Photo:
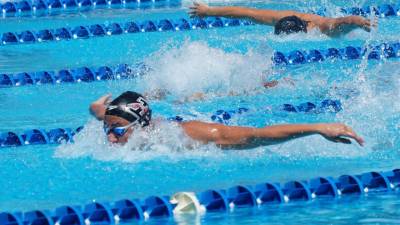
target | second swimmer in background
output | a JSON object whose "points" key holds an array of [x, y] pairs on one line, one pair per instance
{"points": [[286, 21]]}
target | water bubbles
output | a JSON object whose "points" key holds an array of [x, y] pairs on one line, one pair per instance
{"points": [[196, 67], [166, 141]]}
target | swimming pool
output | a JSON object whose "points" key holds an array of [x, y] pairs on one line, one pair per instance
{"points": [[216, 61]]}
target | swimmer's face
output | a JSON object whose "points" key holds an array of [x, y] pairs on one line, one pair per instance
{"points": [[115, 121]]}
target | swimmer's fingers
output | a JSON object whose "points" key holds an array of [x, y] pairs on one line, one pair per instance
{"points": [[348, 133], [193, 8], [193, 12], [367, 25], [374, 23], [105, 99], [370, 24], [340, 140], [198, 9], [341, 133], [351, 134], [289, 80], [108, 99]]}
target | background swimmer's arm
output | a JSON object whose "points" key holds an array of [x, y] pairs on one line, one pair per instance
{"points": [[248, 136], [274, 83], [264, 16], [270, 84], [98, 107], [343, 25], [156, 94]]}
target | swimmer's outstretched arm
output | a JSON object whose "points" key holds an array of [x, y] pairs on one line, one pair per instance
{"points": [[264, 16], [226, 136]]}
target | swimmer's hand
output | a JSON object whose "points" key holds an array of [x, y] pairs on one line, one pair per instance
{"points": [[363, 23], [198, 10], [337, 132], [343, 25], [98, 107]]}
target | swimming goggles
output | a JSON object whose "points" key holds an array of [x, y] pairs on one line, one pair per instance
{"points": [[118, 131]]}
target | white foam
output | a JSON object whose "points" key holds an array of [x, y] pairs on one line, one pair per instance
{"points": [[166, 142], [197, 67]]}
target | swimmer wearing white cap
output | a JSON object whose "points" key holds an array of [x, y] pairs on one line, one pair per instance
{"points": [[130, 111]]}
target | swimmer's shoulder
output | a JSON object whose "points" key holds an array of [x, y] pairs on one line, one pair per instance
{"points": [[194, 126], [315, 21], [179, 121], [199, 126]]}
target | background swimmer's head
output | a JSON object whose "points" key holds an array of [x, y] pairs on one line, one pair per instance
{"points": [[124, 112], [290, 24]]}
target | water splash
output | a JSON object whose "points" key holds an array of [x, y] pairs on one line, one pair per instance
{"points": [[196, 67], [166, 142], [369, 103]]}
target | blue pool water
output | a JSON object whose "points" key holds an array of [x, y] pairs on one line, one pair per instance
{"points": [[216, 62]]}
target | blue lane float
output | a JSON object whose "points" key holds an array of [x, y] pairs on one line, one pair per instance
{"points": [[37, 136], [155, 206], [124, 71], [375, 181], [128, 210], [264, 194], [394, 178], [38, 217], [299, 57], [27, 8], [268, 193], [241, 196], [384, 10], [102, 30], [325, 106], [98, 213], [77, 75], [323, 187], [296, 191], [213, 200], [59, 135], [348, 184], [66, 215]]}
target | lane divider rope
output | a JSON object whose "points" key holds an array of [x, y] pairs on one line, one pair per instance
{"points": [[371, 52], [54, 7], [124, 71], [153, 207], [77, 75], [60, 135], [102, 30]]}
